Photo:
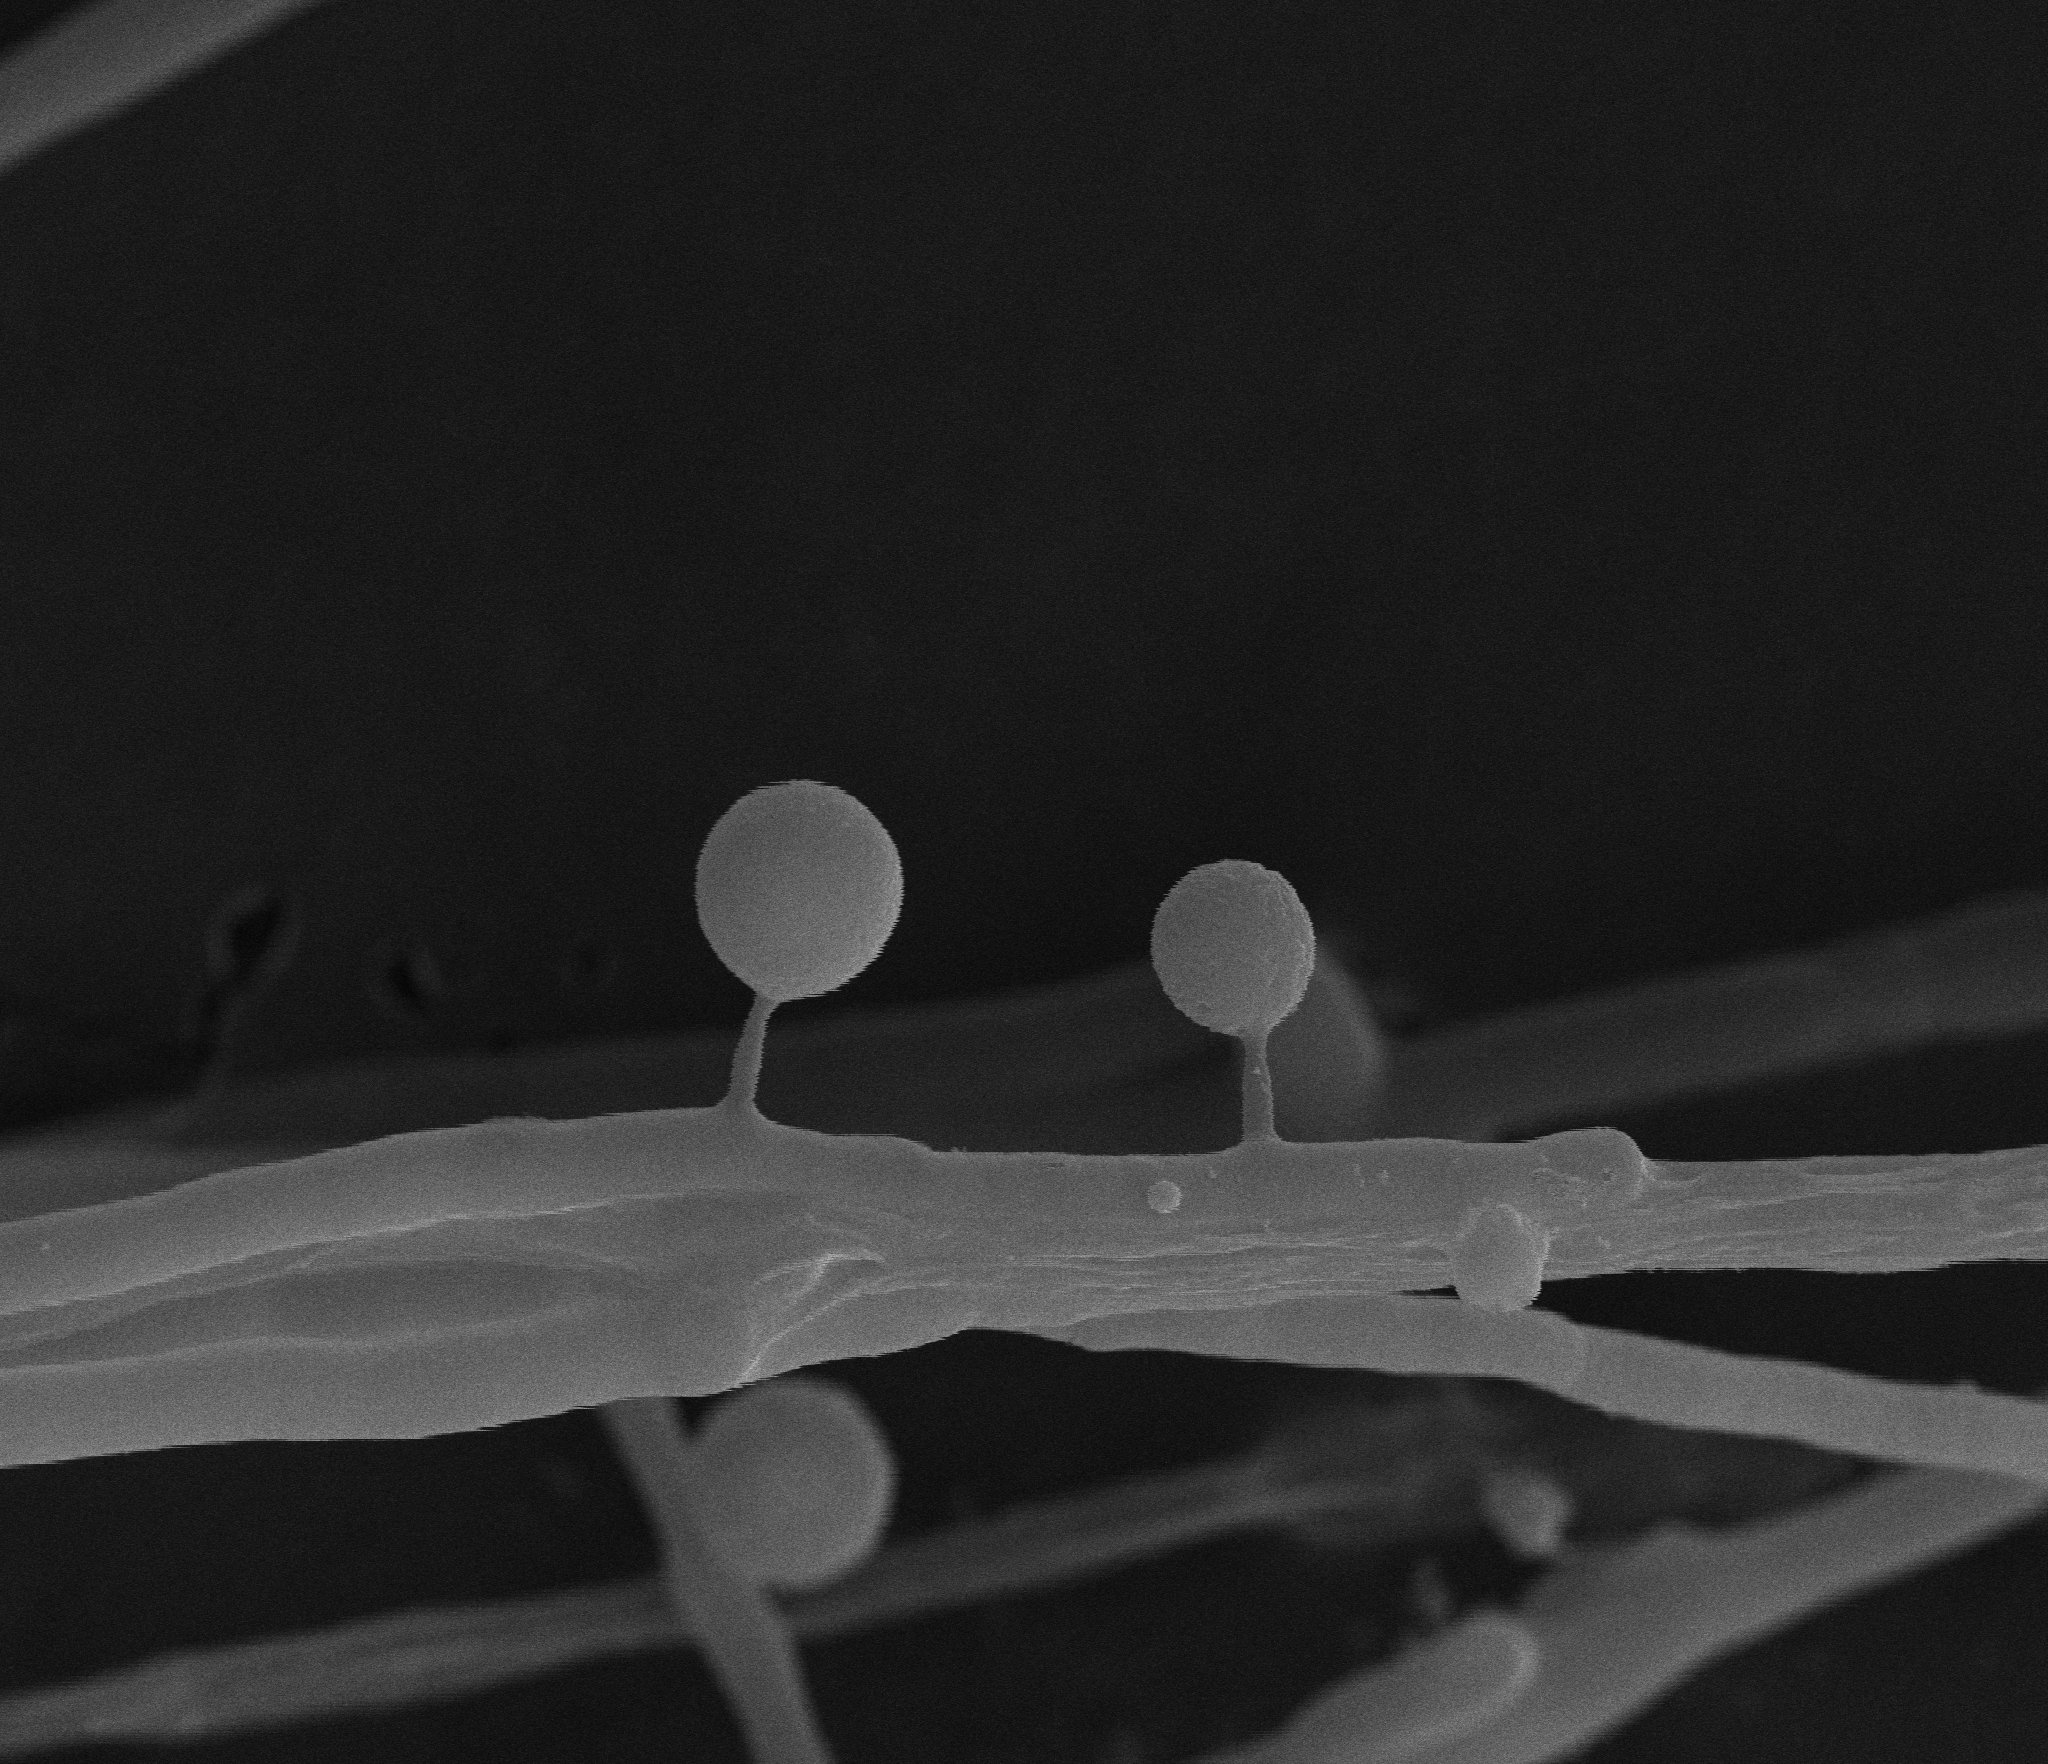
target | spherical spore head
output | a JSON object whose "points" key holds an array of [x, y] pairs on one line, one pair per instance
{"points": [[1233, 946], [1497, 1262], [798, 888], [796, 1481]]}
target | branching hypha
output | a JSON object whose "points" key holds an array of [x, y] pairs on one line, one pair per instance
{"points": [[462, 1276]]}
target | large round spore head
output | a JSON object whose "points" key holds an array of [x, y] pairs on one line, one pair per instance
{"points": [[798, 888], [1233, 946]]}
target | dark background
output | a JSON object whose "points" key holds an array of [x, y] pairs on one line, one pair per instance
{"points": [[1567, 490]]}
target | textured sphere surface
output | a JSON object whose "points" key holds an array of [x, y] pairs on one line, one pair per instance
{"points": [[797, 1481], [1233, 946], [798, 888]]}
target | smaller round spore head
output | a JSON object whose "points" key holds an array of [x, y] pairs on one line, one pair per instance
{"points": [[798, 888], [1233, 947], [1497, 1262]]}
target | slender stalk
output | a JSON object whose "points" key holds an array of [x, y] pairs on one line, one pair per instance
{"points": [[1258, 1089], [745, 1639], [741, 1092]]}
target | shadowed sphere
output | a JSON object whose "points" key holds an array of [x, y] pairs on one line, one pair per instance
{"points": [[1233, 946], [798, 888], [797, 1481]]}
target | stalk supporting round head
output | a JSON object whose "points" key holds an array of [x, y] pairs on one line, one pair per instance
{"points": [[798, 888], [1233, 947]]}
